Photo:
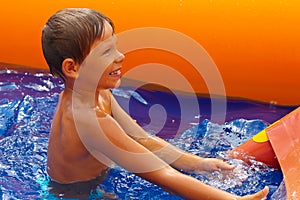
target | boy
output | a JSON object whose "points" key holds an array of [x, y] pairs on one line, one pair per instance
{"points": [[90, 130]]}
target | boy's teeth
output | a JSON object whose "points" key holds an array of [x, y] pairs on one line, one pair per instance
{"points": [[117, 72]]}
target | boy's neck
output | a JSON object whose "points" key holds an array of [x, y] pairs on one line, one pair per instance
{"points": [[84, 97]]}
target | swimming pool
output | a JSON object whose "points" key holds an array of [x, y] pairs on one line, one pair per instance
{"points": [[27, 105]]}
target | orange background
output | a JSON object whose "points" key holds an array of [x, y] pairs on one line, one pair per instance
{"points": [[255, 44]]}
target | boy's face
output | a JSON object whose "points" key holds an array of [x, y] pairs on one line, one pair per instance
{"points": [[104, 61]]}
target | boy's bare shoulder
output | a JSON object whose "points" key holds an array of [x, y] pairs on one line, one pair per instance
{"points": [[63, 117]]}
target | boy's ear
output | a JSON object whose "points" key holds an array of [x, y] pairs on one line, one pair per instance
{"points": [[70, 68]]}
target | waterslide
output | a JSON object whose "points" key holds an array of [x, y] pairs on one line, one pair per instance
{"points": [[254, 45], [278, 146]]}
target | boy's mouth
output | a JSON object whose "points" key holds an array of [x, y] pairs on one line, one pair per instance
{"points": [[115, 73]]}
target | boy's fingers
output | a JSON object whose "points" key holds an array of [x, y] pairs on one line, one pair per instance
{"points": [[260, 195], [263, 193], [225, 166]]}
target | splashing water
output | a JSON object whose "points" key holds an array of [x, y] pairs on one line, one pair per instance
{"points": [[212, 140], [27, 106]]}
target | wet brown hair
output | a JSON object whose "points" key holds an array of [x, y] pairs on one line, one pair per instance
{"points": [[70, 33]]}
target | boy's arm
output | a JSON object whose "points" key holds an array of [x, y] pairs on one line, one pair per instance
{"points": [[166, 151], [107, 137]]}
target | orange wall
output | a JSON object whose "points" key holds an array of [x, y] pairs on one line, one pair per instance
{"points": [[254, 43]]}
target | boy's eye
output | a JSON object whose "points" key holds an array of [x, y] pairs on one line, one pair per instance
{"points": [[106, 52]]}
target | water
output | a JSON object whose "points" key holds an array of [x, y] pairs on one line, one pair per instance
{"points": [[27, 106]]}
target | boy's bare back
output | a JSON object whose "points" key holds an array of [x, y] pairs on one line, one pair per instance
{"points": [[68, 158]]}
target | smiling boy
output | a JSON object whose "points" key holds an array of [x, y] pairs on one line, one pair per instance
{"points": [[90, 131]]}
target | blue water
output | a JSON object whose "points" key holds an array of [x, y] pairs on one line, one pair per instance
{"points": [[27, 105]]}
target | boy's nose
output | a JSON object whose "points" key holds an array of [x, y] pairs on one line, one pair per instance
{"points": [[120, 57]]}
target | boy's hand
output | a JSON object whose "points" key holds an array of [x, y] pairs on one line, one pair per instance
{"points": [[214, 164], [210, 164], [259, 195]]}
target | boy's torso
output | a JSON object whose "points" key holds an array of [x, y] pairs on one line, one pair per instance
{"points": [[68, 159]]}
